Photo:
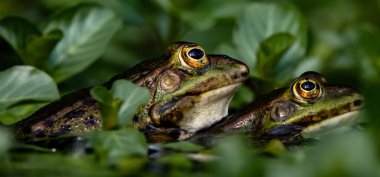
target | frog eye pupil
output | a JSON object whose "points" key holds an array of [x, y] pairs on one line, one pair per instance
{"points": [[308, 86], [196, 54]]}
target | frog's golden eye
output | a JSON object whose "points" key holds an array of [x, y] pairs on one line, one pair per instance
{"points": [[307, 89], [194, 57]]}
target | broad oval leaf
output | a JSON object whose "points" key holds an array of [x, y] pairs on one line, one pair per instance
{"points": [[87, 30], [132, 96], [26, 83], [260, 21]]}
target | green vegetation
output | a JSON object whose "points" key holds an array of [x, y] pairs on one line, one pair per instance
{"points": [[49, 48]]}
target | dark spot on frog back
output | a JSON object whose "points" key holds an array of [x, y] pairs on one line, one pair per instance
{"points": [[74, 114], [90, 120], [64, 129], [48, 122], [39, 133]]}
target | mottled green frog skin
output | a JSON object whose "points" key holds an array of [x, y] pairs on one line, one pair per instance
{"points": [[307, 105], [183, 82]]}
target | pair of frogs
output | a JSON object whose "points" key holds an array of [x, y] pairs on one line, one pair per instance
{"points": [[190, 94]]}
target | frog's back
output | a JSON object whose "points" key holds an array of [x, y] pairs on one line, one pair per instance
{"points": [[74, 113]]}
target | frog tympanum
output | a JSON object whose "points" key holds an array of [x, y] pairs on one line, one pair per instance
{"points": [[308, 105], [190, 90]]}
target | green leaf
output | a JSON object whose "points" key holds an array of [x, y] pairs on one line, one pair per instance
{"points": [[132, 95], [26, 39], [262, 20], [18, 32], [5, 140], [109, 107], [178, 161], [184, 146], [101, 94], [235, 158], [25, 83], [202, 15], [275, 147], [119, 105], [52, 164], [111, 146], [38, 49], [87, 30], [363, 42], [18, 112], [270, 51]]}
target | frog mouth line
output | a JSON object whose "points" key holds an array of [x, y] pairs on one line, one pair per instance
{"points": [[341, 121], [210, 107]]}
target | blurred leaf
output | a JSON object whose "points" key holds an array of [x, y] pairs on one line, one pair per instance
{"points": [[202, 15], [242, 97], [349, 155], [236, 159], [275, 147], [5, 140], [131, 165], [119, 105], [101, 94], [25, 83], [18, 32], [363, 42], [87, 30], [109, 107], [39, 48], [132, 96], [26, 39], [260, 21], [52, 164], [184, 146], [270, 51], [17, 112], [114, 145], [176, 161]]}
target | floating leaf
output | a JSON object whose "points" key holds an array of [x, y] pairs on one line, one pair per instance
{"points": [[262, 20], [87, 30], [25, 83]]}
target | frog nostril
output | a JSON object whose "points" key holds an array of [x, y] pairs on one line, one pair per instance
{"points": [[244, 73], [196, 53]]}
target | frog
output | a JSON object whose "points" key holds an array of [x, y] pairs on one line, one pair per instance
{"points": [[307, 108], [189, 90]]}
